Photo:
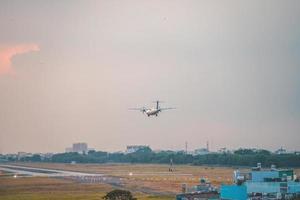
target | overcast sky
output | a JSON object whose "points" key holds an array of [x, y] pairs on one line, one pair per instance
{"points": [[69, 71]]}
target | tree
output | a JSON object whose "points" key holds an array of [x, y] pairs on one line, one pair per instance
{"points": [[119, 195], [144, 150], [245, 151], [36, 158]]}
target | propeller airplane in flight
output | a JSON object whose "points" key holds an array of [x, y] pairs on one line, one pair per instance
{"points": [[152, 111]]}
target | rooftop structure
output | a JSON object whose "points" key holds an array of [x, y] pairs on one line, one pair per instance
{"points": [[264, 175], [204, 190]]}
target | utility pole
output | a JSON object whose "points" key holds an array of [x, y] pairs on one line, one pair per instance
{"points": [[207, 145], [186, 148], [171, 165]]}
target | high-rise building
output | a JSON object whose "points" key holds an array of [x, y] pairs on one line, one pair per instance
{"points": [[81, 148]]}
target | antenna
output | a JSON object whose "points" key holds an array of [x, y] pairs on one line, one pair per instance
{"points": [[186, 147], [207, 145], [171, 165]]}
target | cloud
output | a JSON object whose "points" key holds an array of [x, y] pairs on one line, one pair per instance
{"points": [[8, 52]]}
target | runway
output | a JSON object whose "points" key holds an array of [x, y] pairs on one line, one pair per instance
{"points": [[33, 171]]}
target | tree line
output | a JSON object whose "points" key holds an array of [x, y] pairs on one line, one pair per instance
{"points": [[240, 157]]}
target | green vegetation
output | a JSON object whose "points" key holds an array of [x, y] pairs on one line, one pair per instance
{"points": [[119, 195], [241, 157], [283, 160]]}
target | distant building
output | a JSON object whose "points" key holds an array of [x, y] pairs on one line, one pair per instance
{"points": [[135, 148], [224, 150], [11, 156], [81, 148], [46, 156], [21, 155], [281, 151], [201, 151]]}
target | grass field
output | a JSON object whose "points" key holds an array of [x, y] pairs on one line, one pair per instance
{"points": [[48, 188], [43, 188], [151, 176], [148, 182]]}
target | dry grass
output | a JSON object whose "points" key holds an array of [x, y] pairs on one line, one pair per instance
{"points": [[47, 185], [171, 182], [48, 188], [153, 179], [150, 176], [43, 188]]}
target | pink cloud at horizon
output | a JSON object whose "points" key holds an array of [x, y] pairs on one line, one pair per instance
{"points": [[8, 52]]}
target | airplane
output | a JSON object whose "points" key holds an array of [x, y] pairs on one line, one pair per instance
{"points": [[152, 111]]}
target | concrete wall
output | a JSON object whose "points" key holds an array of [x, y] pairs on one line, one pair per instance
{"points": [[258, 176], [263, 187]]}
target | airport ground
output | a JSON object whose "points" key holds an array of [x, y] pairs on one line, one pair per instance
{"points": [[147, 182]]}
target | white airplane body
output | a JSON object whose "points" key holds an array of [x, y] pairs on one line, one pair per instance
{"points": [[152, 111]]}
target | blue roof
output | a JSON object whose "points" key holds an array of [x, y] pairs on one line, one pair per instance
{"points": [[234, 192]]}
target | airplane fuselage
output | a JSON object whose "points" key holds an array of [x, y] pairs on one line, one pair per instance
{"points": [[152, 111]]}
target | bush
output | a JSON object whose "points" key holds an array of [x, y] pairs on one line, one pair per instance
{"points": [[119, 195]]}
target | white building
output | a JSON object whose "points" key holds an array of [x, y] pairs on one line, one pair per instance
{"points": [[23, 155], [281, 151], [201, 151], [81, 148], [135, 148]]}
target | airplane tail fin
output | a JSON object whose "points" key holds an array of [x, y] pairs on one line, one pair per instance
{"points": [[157, 103]]}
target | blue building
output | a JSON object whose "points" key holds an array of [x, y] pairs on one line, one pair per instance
{"points": [[234, 192], [258, 183]]}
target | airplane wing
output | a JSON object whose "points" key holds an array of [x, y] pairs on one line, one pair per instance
{"points": [[142, 109], [167, 108]]}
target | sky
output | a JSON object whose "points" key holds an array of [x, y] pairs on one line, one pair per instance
{"points": [[69, 71]]}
